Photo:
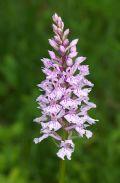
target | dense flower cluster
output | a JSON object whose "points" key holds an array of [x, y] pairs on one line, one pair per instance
{"points": [[65, 101]]}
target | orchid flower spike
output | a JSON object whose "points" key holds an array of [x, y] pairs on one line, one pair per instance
{"points": [[65, 99]]}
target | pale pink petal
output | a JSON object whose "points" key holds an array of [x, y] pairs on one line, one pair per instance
{"points": [[88, 134], [77, 63], [73, 54], [38, 140]]}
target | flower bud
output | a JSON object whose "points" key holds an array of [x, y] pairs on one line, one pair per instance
{"points": [[65, 34], [52, 54], [69, 62], [74, 42], [55, 17], [53, 44], [62, 49]]}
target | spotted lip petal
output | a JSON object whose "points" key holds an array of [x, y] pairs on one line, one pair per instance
{"points": [[67, 148]]}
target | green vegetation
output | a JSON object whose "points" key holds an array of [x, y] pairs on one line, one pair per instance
{"points": [[25, 26]]}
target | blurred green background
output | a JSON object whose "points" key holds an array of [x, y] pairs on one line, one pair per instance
{"points": [[25, 26]]}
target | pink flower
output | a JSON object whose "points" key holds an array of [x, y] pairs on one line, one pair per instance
{"points": [[66, 149], [64, 103], [51, 125]]}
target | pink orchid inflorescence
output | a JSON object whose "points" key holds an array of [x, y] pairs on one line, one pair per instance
{"points": [[65, 102]]}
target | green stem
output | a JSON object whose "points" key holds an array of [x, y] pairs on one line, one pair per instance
{"points": [[62, 171], [62, 164]]}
